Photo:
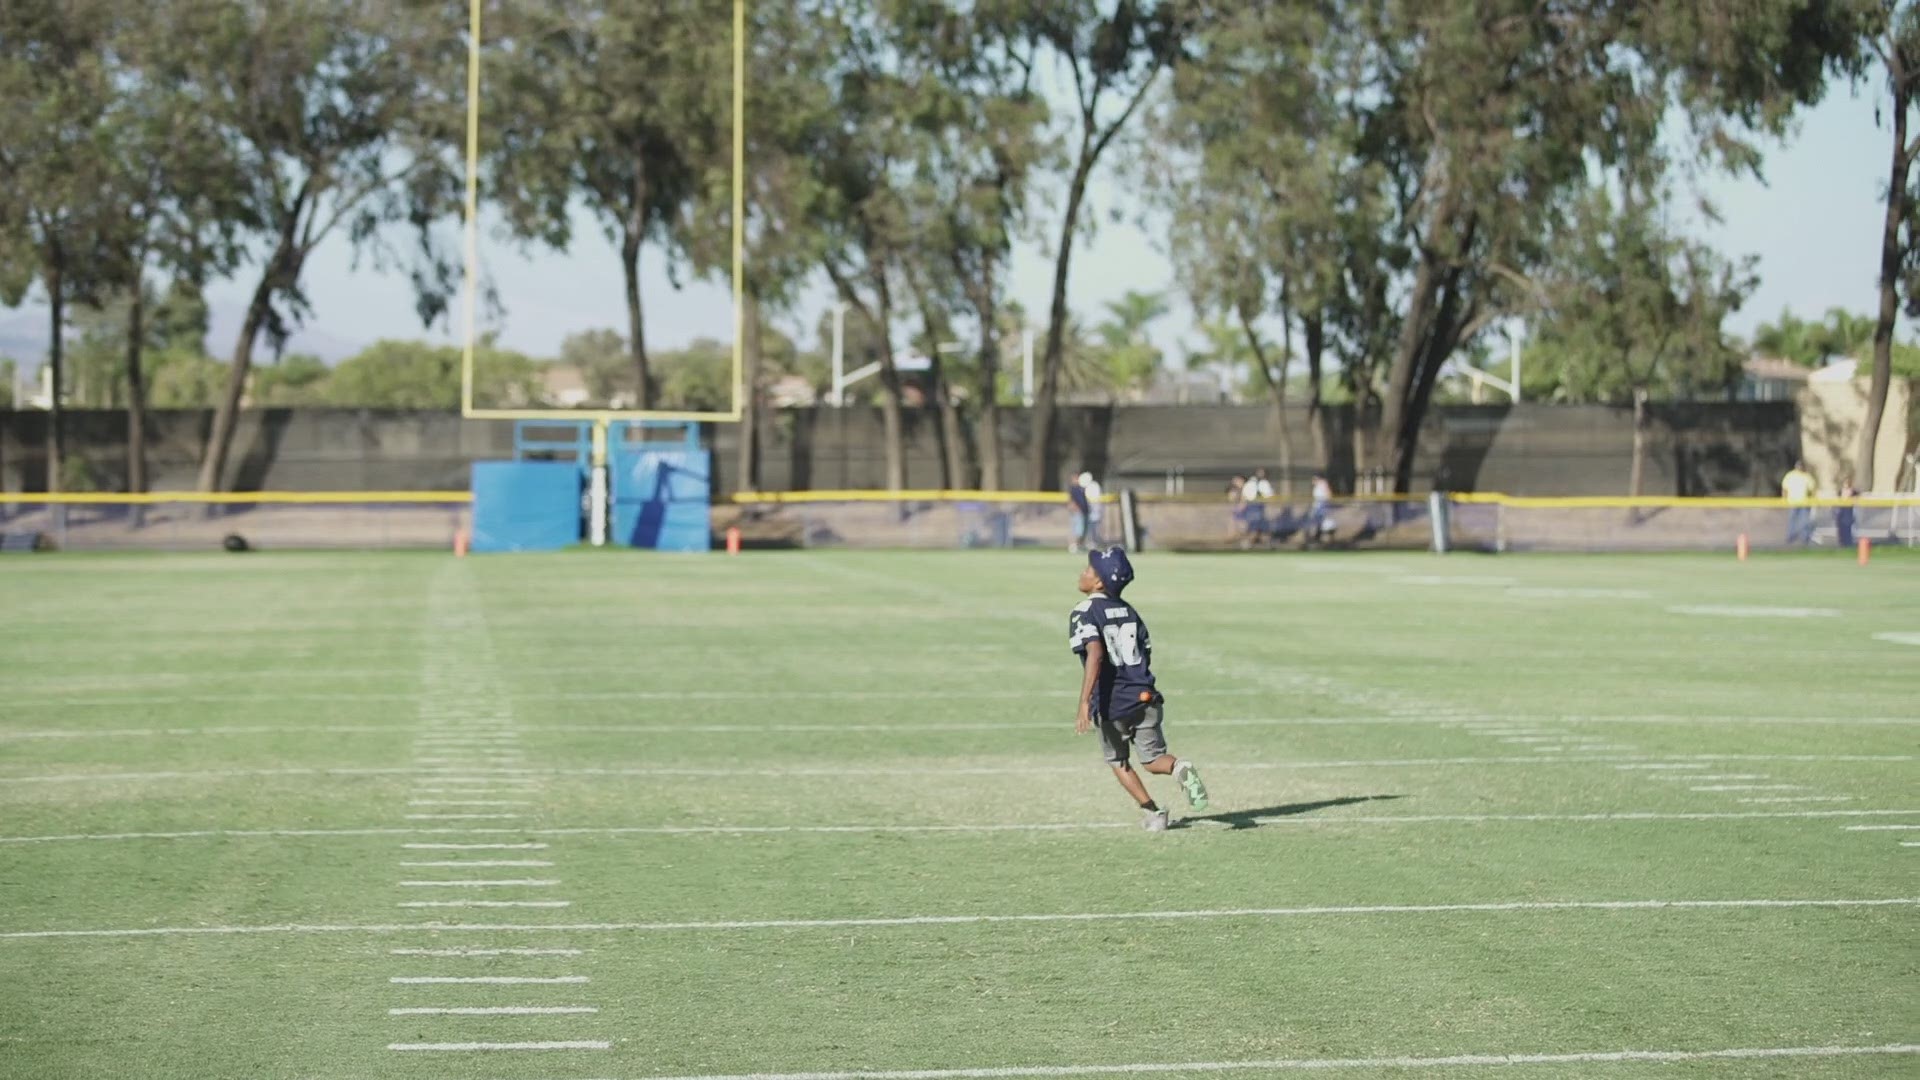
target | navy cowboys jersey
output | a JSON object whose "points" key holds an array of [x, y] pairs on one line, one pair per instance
{"points": [[1126, 676]]}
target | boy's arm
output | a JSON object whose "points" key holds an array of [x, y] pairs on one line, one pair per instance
{"points": [[1095, 656]]}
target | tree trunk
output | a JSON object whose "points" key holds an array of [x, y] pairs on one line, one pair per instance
{"points": [[1276, 390], [749, 478], [631, 239], [136, 391], [213, 463], [1897, 196], [1044, 467], [987, 427], [1636, 477], [56, 417], [1314, 329], [958, 476]]}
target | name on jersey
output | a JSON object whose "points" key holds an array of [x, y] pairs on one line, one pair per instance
{"points": [[1117, 613]]}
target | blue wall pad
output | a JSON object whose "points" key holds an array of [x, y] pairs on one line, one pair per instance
{"points": [[525, 505], [661, 498]]}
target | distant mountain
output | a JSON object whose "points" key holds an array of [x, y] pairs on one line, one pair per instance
{"points": [[23, 337]]}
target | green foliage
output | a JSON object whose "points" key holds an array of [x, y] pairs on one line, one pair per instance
{"points": [[1630, 308], [416, 375], [698, 377], [294, 379], [1130, 361]]}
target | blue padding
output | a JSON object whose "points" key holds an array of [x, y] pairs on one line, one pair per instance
{"points": [[525, 505], [660, 499]]}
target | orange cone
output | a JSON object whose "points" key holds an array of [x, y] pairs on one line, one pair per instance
{"points": [[1740, 548], [460, 544], [1866, 550], [733, 540]]}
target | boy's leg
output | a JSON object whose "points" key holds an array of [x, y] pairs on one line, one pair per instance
{"points": [[1113, 746], [1152, 742]]}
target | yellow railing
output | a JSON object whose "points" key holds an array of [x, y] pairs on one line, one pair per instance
{"points": [[152, 498]]}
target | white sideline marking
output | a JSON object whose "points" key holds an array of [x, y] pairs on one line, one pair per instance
{"points": [[1750, 787], [494, 1011], [469, 802], [487, 980], [474, 847], [1715, 776], [485, 903], [481, 884], [485, 952], [1799, 798], [1910, 843], [961, 920], [1743, 611], [452, 1047], [1661, 765], [1878, 828], [1056, 826], [481, 862], [461, 817], [533, 775], [1318, 1064], [1899, 637]]}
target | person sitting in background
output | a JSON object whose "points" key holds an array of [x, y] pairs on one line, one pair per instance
{"points": [[1797, 487], [1259, 487]]}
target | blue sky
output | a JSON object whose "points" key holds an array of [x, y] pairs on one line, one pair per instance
{"points": [[1814, 224]]}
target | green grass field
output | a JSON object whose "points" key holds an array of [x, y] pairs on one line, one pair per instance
{"points": [[825, 814]]}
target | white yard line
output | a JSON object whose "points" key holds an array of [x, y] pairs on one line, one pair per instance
{"points": [[1714, 776], [470, 773], [480, 883], [484, 903], [486, 980], [1361, 910], [1879, 828], [459, 1047], [474, 863], [921, 729], [1749, 787], [1799, 799], [1469, 1061], [462, 817], [1284, 820], [485, 952], [469, 802], [494, 1011]]}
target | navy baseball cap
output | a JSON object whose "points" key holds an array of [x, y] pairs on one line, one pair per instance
{"points": [[1112, 567]]}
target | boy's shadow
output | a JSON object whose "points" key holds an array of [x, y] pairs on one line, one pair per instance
{"points": [[1251, 819]]}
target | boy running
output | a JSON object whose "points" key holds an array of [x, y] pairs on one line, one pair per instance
{"points": [[1116, 689]]}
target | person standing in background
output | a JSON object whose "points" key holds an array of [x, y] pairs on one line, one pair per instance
{"points": [[1843, 516], [1091, 489], [1797, 487], [1080, 507], [1259, 487]]}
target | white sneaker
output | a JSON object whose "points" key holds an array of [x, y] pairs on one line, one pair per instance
{"points": [[1155, 821]]}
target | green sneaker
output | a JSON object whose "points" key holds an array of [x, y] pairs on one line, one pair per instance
{"points": [[1189, 778]]}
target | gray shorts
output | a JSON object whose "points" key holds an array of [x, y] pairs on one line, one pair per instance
{"points": [[1142, 729]]}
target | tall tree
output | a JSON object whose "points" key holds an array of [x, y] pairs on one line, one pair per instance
{"points": [[1896, 43], [176, 208], [57, 79], [613, 107], [1113, 54], [1631, 312], [341, 116]]}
